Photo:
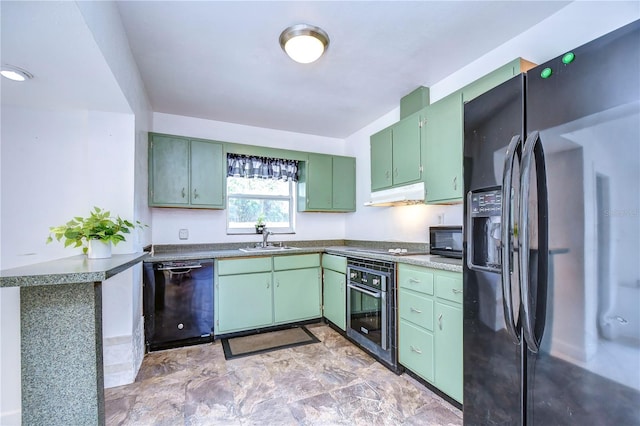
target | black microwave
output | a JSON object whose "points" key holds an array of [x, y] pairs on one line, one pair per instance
{"points": [[446, 241]]}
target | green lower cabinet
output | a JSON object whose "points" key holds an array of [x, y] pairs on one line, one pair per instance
{"points": [[296, 295], [335, 298], [258, 292], [430, 330], [244, 302], [415, 350], [448, 350]]}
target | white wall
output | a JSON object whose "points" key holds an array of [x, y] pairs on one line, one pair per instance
{"points": [[209, 226], [53, 167], [574, 25]]}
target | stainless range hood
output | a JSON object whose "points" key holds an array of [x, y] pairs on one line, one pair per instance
{"points": [[400, 196]]}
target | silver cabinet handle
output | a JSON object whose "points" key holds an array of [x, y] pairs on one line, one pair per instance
{"points": [[183, 193], [195, 193], [456, 291], [268, 284], [278, 283], [455, 183], [416, 350], [395, 171], [440, 321], [414, 280], [417, 311]]}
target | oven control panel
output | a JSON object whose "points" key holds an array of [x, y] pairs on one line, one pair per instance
{"points": [[370, 279]]}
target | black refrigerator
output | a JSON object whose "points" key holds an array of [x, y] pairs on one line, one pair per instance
{"points": [[552, 242]]}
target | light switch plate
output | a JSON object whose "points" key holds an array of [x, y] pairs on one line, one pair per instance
{"points": [[183, 234]]}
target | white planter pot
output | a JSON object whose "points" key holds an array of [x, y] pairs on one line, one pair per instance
{"points": [[99, 249]]}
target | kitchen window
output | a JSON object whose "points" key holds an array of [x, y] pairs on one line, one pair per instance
{"points": [[260, 188]]}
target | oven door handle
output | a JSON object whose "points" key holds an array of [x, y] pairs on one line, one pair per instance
{"points": [[375, 294]]}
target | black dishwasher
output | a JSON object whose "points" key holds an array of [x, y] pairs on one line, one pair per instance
{"points": [[178, 303]]}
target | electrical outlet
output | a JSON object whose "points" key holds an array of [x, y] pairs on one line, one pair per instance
{"points": [[184, 234], [440, 218]]}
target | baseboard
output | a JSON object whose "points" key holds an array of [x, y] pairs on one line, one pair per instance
{"points": [[11, 418]]}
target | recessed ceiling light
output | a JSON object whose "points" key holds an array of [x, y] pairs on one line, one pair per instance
{"points": [[304, 43], [14, 73]]}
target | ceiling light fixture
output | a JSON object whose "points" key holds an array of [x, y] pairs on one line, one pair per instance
{"points": [[304, 43], [14, 73]]}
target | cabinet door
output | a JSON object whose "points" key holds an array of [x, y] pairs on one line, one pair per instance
{"points": [[344, 183], [207, 174], [296, 295], [244, 302], [335, 298], [319, 182], [415, 350], [381, 159], [407, 150], [448, 349], [443, 171], [169, 171]]}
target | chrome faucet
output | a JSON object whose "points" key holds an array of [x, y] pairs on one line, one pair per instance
{"points": [[265, 236]]}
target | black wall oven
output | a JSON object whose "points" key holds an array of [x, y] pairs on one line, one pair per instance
{"points": [[371, 308]]}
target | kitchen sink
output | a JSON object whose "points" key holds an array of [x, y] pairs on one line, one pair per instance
{"points": [[267, 248]]}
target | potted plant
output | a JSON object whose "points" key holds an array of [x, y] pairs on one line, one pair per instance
{"points": [[94, 233], [260, 224]]}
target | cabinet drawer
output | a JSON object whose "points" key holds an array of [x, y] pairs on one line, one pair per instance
{"points": [[335, 263], [296, 262], [449, 287], [416, 308], [415, 278], [415, 350], [244, 265]]}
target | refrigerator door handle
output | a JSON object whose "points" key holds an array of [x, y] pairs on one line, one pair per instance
{"points": [[533, 321], [507, 246]]}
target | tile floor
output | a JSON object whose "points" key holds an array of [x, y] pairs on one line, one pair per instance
{"points": [[328, 383]]}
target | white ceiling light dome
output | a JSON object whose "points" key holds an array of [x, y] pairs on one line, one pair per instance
{"points": [[304, 43], [14, 73]]}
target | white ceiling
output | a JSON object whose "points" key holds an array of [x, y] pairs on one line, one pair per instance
{"points": [[221, 60]]}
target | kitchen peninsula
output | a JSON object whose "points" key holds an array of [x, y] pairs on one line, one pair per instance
{"points": [[61, 340]]}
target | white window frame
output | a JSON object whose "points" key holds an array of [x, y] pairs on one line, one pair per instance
{"points": [[276, 230]]}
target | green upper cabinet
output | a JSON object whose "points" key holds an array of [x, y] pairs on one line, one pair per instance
{"points": [[381, 162], [185, 172], [444, 135], [397, 154], [327, 183], [319, 182], [444, 140], [407, 148], [207, 187], [169, 171], [344, 184]]}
